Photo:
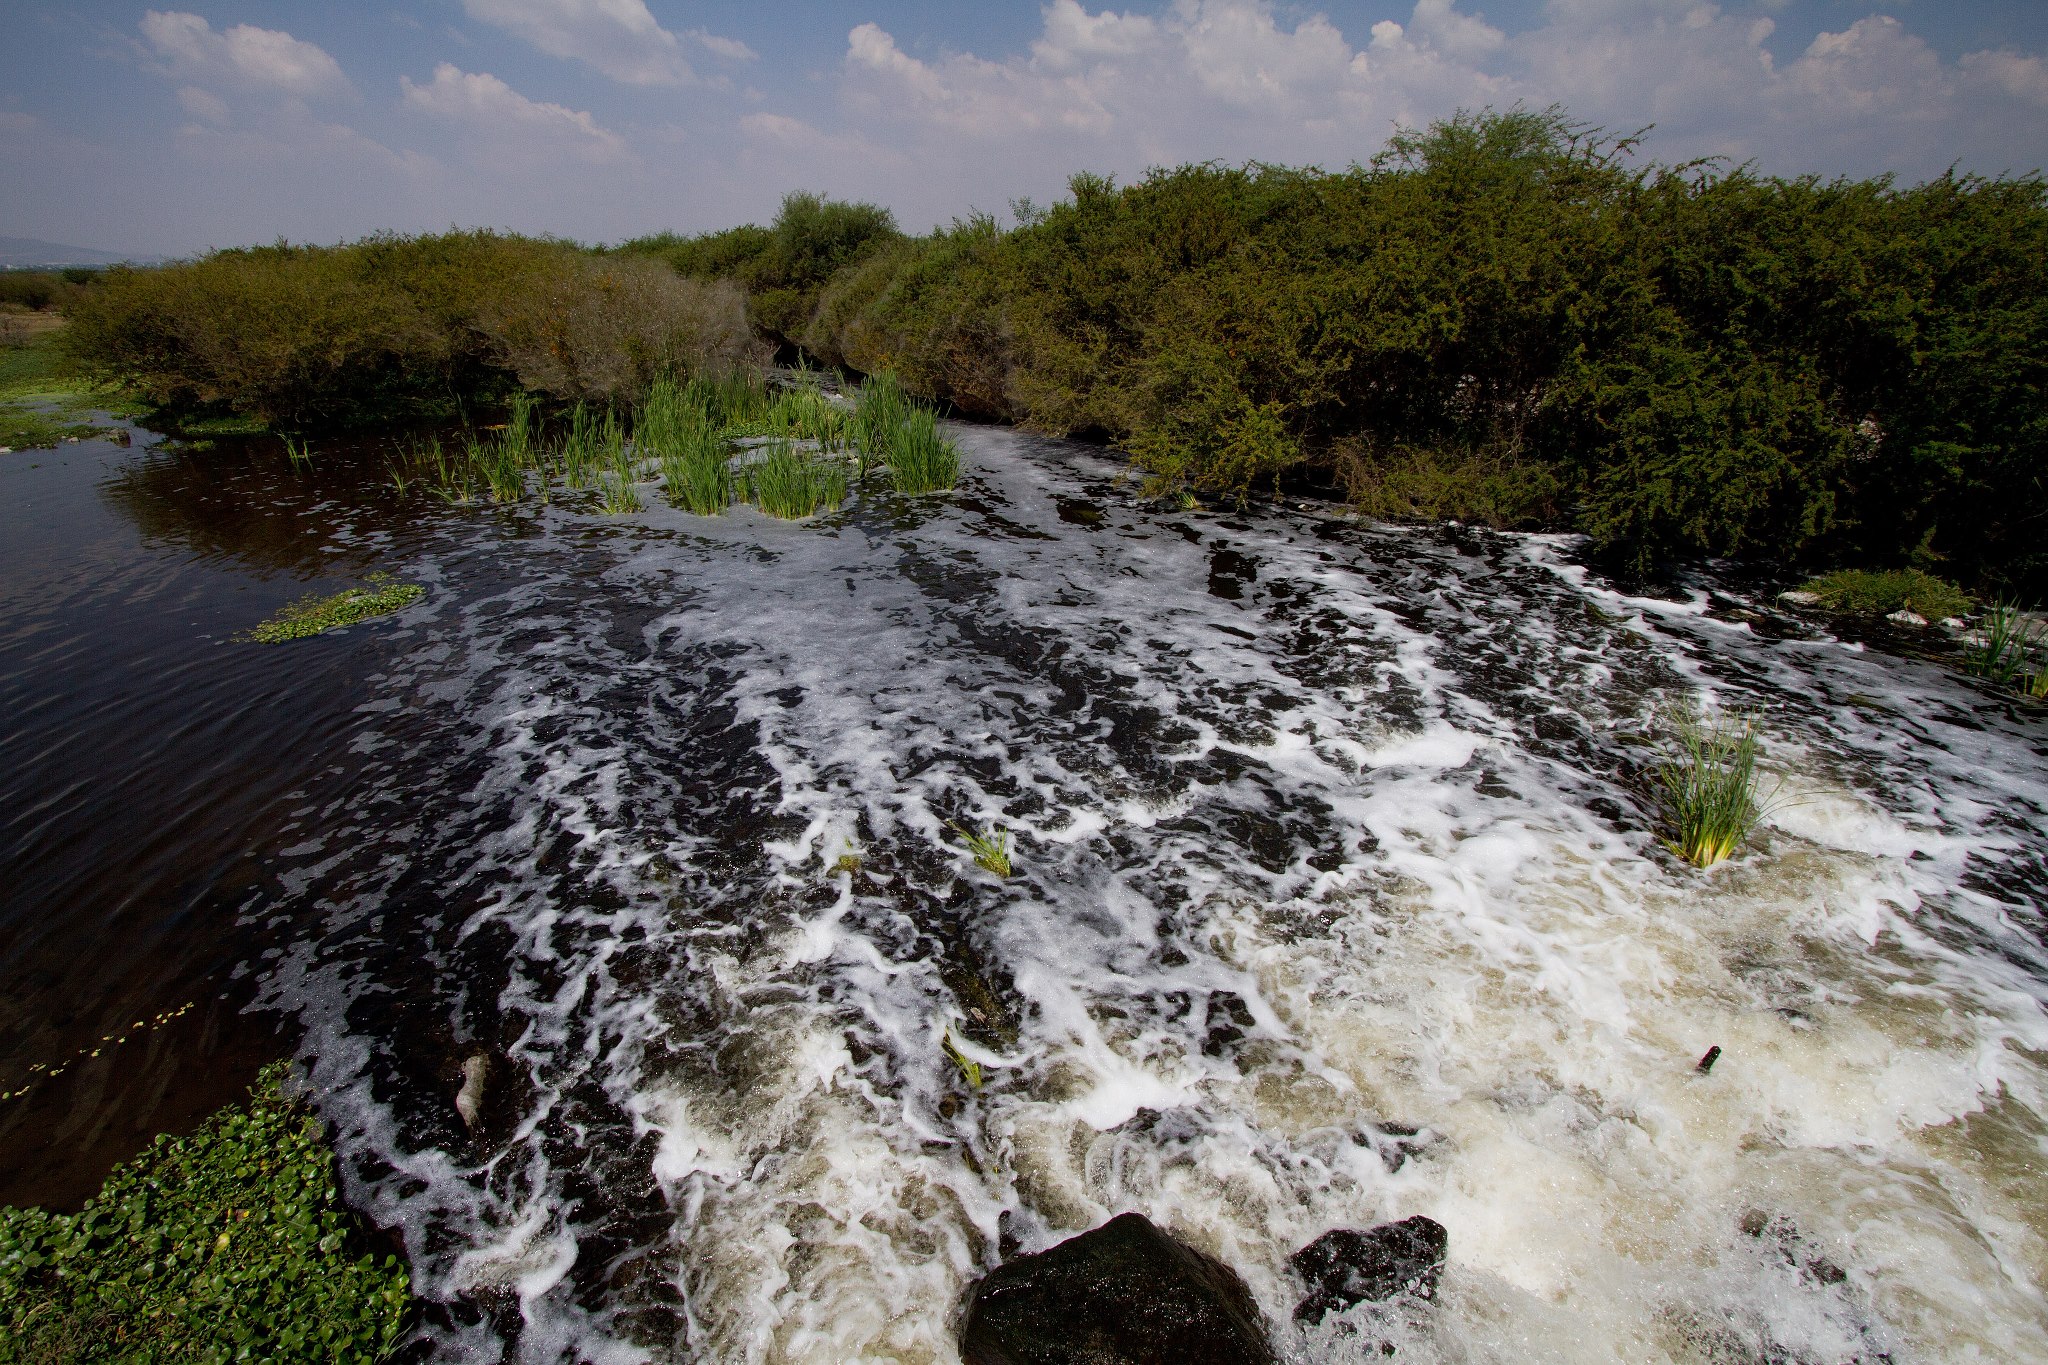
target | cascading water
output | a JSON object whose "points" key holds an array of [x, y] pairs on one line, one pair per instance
{"points": [[1338, 897]]}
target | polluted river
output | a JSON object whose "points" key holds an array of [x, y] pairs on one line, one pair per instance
{"points": [[1338, 895]]}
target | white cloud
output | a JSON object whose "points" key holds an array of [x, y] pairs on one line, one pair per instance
{"points": [[203, 105], [1234, 80], [2021, 77], [487, 106], [244, 56], [620, 38]]}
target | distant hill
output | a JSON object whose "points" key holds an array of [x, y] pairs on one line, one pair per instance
{"points": [[26, 253]]}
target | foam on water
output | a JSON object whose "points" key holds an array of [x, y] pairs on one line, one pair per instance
{"points": [[1338, 898]]}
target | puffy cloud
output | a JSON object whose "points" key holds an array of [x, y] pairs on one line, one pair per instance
{"points": [[203, 105], [1255, 80], [492, 109], [244, 56], [620, 38]]}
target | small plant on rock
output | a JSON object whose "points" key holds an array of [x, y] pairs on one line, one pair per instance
{"points": [[991, 848]]}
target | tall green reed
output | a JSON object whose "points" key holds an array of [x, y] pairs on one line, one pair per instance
{"points": [[1710, 787], [789, 484], [920, 459]]}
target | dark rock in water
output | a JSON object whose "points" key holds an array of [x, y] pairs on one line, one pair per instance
{"points": [[1344, 1265], [1122, 1294]]}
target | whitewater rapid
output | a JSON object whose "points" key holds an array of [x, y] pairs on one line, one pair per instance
{"points": [[1338, 897]]}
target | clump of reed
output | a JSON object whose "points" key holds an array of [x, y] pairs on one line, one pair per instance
{"points": [[790, 484], [879, 409], [1711, 797], [2010, 650], [581, 450], [619, 480], [920, 459], [990, 847], [804, 412]]}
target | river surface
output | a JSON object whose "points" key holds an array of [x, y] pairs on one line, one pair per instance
{"points": [[1338, 896]]}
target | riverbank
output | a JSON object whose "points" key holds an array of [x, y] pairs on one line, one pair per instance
{"points": [[230, 1243], [43, 401], [1505, 319]]}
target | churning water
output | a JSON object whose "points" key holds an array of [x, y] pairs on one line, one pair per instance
{"points": [[1338, 897]]}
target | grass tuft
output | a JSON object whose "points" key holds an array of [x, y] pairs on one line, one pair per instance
{"points": [[920, 459], [314, 614], [1864, 592], [1710, 787], [970, 1069], [792, 485], [2009, 650], [991, 848]]}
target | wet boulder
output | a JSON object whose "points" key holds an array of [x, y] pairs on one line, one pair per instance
{"points": [[1124, 1293], [1346, 1266]]}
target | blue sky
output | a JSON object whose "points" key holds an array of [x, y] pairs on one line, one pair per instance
{"points": [[173, 127]]}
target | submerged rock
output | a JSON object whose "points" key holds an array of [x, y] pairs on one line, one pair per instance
{"points": [[469, 1101], [1906, 616], [1124, 1293], [1345, 1266]]}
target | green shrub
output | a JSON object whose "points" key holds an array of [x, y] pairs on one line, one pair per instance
{"points": [[1867, 592], [391, 327], [231, 1244]]}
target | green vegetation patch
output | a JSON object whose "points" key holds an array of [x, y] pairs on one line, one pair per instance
{"points": [[1872, 593], [41, 400], [231, 1244], [313, 614]]}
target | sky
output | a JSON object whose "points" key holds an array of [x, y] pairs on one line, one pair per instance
{"points": [[170, 130]]}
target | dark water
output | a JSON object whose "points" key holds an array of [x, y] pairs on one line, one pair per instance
{"points": [[1338, 898]]}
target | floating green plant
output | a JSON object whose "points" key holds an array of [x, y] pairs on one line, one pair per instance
{"points": [[991, 848], [230, 1243], [789, 484], [920, 459], [1710, 787], [969, 1068], [313, 614]]}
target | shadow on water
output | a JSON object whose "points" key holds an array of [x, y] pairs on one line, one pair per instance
{"points": [[147, 768]]}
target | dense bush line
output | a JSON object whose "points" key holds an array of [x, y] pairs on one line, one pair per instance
{"points": [[393, 327], [1505, 318]]}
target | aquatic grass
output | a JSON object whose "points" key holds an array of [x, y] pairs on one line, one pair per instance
{"points": [[582, 449], [920, 459], [991, 847], [1866, 592], [1710, 789], [313, 614], [2007, 650], [737, 400], [791, 485], [619, 485], [879, 409], [970, 1070], [804, 412], [697, 476], [300, 453], [231, 1243]]}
